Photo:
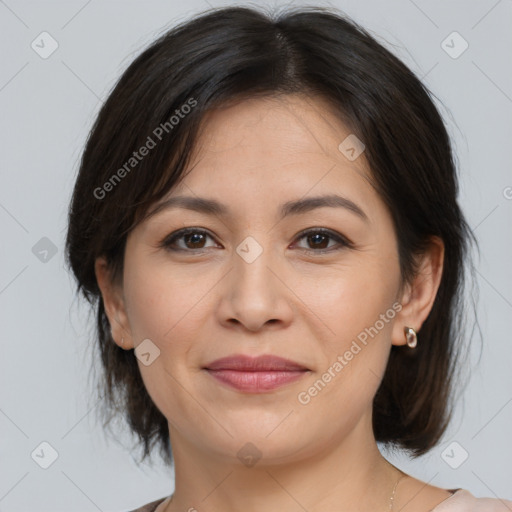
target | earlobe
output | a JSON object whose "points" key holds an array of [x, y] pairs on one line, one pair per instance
{"points": [[113, 303], [419, 295]]}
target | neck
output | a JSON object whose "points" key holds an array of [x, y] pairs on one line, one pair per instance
{"points": [[350, 475]]}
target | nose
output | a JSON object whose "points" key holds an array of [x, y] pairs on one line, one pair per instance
{"points": [[255, 294]]}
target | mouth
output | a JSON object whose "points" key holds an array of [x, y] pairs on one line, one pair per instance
{"points": [[255, 374]]}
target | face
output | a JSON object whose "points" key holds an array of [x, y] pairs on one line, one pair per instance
{"points": [[319, 286]]}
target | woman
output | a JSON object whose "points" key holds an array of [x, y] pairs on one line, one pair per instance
{"points": [[266, 218]]}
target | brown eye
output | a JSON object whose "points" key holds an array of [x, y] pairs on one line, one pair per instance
{"points": [[318, 241], [191, 239]]}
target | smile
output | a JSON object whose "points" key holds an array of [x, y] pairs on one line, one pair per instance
{"points": [[256, 381]]}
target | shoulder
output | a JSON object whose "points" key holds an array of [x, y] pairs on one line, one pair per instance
{"points": [[463, 501], [149, 507]]}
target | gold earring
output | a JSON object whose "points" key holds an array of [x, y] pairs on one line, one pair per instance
{"points": [[411, 337]]}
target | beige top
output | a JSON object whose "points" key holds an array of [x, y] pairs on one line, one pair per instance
{"points": [[460, 501], [464, 501]]}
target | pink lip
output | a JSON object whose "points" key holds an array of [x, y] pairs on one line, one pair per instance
{"points": [[255, 374]]}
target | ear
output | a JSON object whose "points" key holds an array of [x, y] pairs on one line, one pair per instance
{"points": [[113, 301], [418, 296]]}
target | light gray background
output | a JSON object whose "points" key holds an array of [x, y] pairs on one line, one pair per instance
{"points": [[48, 106]]}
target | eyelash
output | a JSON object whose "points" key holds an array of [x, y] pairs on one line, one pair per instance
{"points": [[168, 241]]}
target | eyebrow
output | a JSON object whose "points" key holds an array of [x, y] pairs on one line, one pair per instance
{"points": [[297, 207]]}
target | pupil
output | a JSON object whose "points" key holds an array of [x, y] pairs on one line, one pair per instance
{"points": [[196, 238], [317, 236]]}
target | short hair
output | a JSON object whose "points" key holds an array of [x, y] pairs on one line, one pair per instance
{"points": [[230, 54]]}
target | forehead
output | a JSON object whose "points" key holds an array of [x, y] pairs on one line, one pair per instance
{"points": [[302, 124], [291, 140]]}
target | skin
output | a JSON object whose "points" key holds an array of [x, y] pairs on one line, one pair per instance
{"points": [[209, 302]]}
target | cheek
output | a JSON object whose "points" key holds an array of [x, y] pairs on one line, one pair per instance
{"points": [[148, 305], [356, 306], [350, 298], [165, 304], [168, 311], [355, 303]]}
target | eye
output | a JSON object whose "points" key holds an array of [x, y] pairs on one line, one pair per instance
{"points": [[192, 238], [319, 240]]}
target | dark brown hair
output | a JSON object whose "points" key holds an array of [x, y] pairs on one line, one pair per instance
{"points": [[229, 54]]}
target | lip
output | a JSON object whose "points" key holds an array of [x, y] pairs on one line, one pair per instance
{"points": [[255, 374], [266, 362]]}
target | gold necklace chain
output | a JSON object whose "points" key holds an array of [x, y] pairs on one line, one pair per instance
{"points": [[390, 499], [394, 490]]}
